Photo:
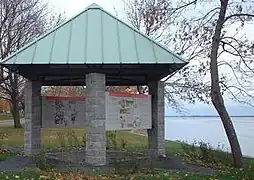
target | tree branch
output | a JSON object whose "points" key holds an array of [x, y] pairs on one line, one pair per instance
{"points": [[237, 15]]}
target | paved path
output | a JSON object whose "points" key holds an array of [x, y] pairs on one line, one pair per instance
{"points": [[15, 163], [74, 160], [6, 123]]}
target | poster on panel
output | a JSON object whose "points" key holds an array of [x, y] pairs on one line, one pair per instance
{"points": [[128, 111], [123, 112], [63, 112]]}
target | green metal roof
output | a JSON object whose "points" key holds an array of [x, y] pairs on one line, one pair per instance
{"points": [[94, 41], [94, 36]]}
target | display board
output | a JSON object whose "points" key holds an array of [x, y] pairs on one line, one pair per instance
{"points": [[63, 112], [128, 111], [123, 111]]}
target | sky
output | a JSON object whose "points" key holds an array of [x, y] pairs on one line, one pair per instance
{"points": [[71, 8], [201, 109]]}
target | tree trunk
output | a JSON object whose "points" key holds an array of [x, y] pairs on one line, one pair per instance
{"points": [[217, 98], [15, 114], [15, 100], [140, 89]]}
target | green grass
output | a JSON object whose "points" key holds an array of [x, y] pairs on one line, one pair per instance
{"points": [[5, 117], [52, 138], [19, 175]]}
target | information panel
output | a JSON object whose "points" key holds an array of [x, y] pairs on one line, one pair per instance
{"points": [[128, 111], [123, 112], [63, 112]]}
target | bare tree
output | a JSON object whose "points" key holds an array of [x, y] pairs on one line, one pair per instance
{"points": [[219, 38], [155, 19], [20, 22], [229, 55], [215, 46]]}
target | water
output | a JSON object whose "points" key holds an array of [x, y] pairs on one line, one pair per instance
{"points": [[210, 129]]}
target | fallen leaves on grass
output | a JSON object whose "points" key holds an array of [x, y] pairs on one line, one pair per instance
{"points": [[156, 175], [4, 154]]}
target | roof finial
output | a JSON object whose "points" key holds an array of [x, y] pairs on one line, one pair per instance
{"points": [[94, 6]]}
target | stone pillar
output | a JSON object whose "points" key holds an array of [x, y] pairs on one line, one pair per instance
{"points": [[95, 117], [156, 134], [33, 117]]}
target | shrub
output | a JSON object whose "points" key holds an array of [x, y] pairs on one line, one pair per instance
{"points": [[69, 139], [123, 143], [42, 162], [111, 139], [61, 139], [125, 164], [72, 139], [84, 141]]}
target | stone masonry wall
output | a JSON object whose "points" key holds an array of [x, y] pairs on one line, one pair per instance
{"points": [[32, 128], [156, 134], [95, 118]]}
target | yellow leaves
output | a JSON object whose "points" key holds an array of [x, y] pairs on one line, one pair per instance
{"points": [[17, 177], [64, 91], [4, 151], [126, 89], [3, 135], [4, 105], [73, 176], [42, 177], [165, 174]]}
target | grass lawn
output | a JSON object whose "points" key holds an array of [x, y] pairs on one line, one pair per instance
{"points": [[56, 138], [51, 138], [19, 175], [5, 117]]}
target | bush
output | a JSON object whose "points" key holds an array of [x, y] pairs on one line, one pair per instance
{"points": [[111, 140], [61, 139], [84, 141], [125, 164], [69, 139], [42, 162], [123, 143], [72, 139]]}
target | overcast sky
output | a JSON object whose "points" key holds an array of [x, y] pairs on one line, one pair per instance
{"points": [[71, 8]]}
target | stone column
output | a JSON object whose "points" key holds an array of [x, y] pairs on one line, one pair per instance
{"points": [[95, 117], [32, 128], [156, 134]]}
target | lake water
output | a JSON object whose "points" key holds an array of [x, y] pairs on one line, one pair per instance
{"points": [[210, 129]]}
